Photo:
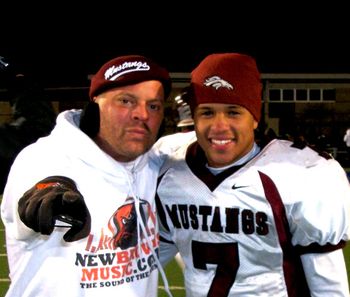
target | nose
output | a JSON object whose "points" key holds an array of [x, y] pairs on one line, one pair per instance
{"points": [[220, 122], [140, 112]]}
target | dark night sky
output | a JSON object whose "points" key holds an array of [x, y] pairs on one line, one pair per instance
{"points": [[62, 46]]}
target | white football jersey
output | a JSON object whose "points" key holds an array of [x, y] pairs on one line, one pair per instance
{"points": [[242, 232]]}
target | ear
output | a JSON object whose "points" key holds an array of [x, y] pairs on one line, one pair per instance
{"points": [[255, 124], [90, 119]]}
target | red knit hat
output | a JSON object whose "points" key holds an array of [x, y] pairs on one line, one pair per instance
{"points": [[128, 70], [229, 78]]}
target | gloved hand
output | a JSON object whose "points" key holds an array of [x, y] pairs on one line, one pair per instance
{"points": [[55, 198]]}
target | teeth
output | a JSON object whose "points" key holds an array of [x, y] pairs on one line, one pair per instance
{"points": [[216, 141]]}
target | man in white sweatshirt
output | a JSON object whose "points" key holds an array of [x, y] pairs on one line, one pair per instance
{"points": [[89, 227]]}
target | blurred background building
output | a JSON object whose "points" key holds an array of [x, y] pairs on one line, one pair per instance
{"points": [[315, 107]]}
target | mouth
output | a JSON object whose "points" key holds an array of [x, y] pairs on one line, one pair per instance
{"points": [[220, 141], [221, 144], [138, 132]]}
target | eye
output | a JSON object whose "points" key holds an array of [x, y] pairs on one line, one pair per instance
{"points": [[157, 106], [206, 113], [233, 112], [126, 101]]}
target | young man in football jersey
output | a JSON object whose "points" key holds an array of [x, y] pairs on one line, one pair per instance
{"points": [[250, 221]]}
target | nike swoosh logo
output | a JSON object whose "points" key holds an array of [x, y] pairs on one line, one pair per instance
{"points": [[234, 187]]}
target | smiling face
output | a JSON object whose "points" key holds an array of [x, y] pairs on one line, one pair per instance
{"points": [[130, 118], [224, 131]]}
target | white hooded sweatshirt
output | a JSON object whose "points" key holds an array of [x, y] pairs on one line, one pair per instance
{"points": [[43, 265]]}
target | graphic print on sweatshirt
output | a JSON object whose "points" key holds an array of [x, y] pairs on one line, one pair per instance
{"points": [[122, 253]]}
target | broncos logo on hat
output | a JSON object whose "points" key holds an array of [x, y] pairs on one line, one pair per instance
{"points": [[217, 82], [123, 223]]}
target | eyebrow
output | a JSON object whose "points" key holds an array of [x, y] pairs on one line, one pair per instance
{"points": [[132, 95], [229, 106]]}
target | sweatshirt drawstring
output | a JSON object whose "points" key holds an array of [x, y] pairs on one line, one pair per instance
{"points": [[141, 225], [160, 268]]}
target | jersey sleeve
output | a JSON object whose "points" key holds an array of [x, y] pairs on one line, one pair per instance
{"points": [[167, 251], [326, 274], [320, 214], [167, 248], [169, 144]]}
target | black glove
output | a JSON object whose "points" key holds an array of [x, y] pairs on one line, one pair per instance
{"points": [[55, 198]]}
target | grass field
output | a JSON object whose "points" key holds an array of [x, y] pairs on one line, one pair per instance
{"points": [[173, 271]]}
